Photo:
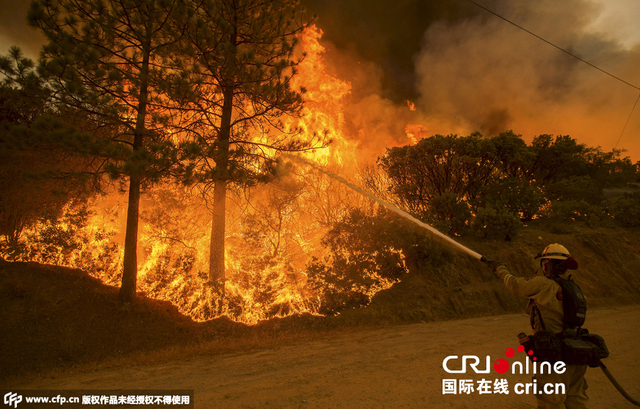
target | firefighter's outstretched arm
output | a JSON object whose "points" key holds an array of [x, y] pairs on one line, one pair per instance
{"points": [[520, 286]]}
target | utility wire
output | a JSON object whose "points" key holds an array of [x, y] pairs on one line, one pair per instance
{"points": [[627, 123], [572, 55], [553, 45]]}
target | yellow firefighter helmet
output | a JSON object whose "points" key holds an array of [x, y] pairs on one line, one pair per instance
{"points": [[555, 251]]}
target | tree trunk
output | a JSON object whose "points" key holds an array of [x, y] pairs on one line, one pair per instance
{"points": [[130, 263], [127, 291], [216, 249]]}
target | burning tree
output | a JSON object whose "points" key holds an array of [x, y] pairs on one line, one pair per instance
{"points": [[243, 59], [109, 59], [232, 106]]}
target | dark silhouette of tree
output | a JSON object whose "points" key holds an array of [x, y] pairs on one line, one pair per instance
{"points": [[363, 253], [556, 158], [459, 182], [34, 174], [445, 175]]}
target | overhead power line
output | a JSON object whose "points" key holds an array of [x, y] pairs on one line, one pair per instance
{"points": [[553, 45], [627, 123]]}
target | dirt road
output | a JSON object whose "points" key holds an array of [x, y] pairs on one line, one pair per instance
{"points": [[394, 367]]}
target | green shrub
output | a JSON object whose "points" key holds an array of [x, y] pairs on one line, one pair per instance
{"points": [[626, 209], [576, 210], [496, 223], [363, 258], [449, 213], [518, 195], [574, 188]]}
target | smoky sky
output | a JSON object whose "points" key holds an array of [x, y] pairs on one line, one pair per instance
{"points": [[487, 75], [463, 68], [467, 70], [388, 33]]}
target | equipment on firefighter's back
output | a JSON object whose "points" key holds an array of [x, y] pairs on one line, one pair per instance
{"points": [[574, 345]]}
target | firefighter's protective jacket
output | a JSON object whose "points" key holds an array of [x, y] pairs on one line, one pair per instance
{"points": [[543, 294]]}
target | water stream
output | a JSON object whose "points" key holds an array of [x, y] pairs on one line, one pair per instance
{"points": [[385, 204]]}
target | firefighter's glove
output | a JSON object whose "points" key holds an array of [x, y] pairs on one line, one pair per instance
{"points": [[493, 265]]}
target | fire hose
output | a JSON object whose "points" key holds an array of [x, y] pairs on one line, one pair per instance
{"points": [[448, 239], [617, 385]]}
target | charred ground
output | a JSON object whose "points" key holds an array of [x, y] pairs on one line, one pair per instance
{"points": [[58, 318]]}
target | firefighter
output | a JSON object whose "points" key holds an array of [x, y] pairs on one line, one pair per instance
{"points": [[546, 313]]}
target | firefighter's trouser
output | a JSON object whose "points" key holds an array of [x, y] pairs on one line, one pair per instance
{"points": [[575, 387]]}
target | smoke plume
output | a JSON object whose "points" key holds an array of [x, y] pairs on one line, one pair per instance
{"points": [[480, 73], [487, 75]]}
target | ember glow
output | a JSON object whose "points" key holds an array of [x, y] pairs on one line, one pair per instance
{"points": [[273, 230]]}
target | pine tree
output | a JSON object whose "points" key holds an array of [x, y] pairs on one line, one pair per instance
{"points": [[111, 59], [23, 100], [244, 60]]}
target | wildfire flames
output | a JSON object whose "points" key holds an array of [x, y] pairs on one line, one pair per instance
{"points": [[272, 232]]}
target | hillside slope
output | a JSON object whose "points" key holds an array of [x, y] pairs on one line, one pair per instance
{"points": [[58, 317], [460, 286]]}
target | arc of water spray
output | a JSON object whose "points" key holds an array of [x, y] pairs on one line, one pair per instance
{"points": [[387, 205]]}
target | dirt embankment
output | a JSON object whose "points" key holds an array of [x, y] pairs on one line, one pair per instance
{"points": [[59, 317], [53, 317]]}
